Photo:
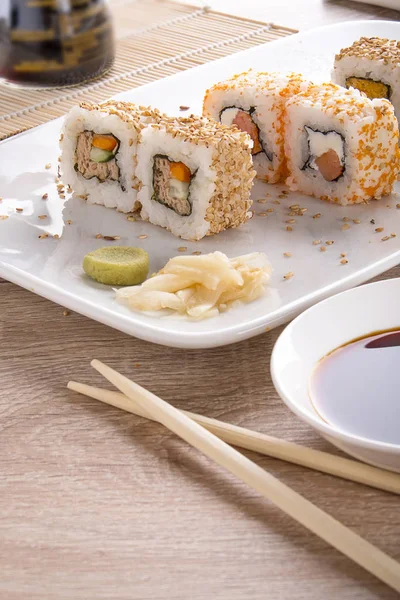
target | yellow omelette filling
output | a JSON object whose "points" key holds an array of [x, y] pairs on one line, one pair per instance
{"points": [[372, 89]]}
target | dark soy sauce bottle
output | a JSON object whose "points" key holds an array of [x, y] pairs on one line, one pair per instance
{"points": [[54, 43]]}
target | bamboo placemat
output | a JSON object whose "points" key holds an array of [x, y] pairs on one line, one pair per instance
{"points": [[156, 38]]}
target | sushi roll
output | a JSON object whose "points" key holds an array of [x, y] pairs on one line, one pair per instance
{"points": [[340, 145], [98, 152], [196, 176], [255, 103], [371, 65]]}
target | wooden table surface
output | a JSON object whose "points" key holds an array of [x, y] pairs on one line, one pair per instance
{"points": [[98, 504]]}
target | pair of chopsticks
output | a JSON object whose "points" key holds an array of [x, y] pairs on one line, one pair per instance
{"points": [[207, 435]]}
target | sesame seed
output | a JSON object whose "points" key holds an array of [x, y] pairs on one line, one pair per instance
{"points": [[379, 229], [48, 166], [317, 216], [281, 195], [294, 207], [287, 254], [262, 201], [345, 227], [270, 210], [196, 252], [343, 254], [385, 239], [329, 242], [316, 242], [43, 236], [322, 249], [262, 214], [184, 107], [45, 196], [392, 235], [275, 201], [66, 313], [182, 248], [3, 217], [69, 222], [19, 210], [356, 221], [288, 228], [344, 261], [111, 238], [131, 218], [291, 221], [98, 236], [142, 237], [288, 275], [285, 192], [62, 196], [42, 217], [345, 219], [56, 236]]}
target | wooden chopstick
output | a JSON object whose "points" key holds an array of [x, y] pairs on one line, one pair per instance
{"points": [[326, 527], [261, 443]]}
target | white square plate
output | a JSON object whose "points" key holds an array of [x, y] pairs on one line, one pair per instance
{"points": [[52, 268]]}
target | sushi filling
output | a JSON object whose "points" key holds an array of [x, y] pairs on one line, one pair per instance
{"points": [[96, 156], [171, 184], [325, 153], [244, 120], [371, 88]]}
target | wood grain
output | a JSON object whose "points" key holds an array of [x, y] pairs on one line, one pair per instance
{"points": [[99, 504]]}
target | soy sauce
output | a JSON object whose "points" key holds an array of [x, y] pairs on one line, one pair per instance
{"points": [[356, 388], [46, 43]]}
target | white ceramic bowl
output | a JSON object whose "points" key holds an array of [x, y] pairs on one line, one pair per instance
{"points": [[316, 332]]}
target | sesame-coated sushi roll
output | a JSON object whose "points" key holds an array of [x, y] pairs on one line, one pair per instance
{"points": [[196, 176], [371, 65], [255, 103], [340, 145], [98, 151]]}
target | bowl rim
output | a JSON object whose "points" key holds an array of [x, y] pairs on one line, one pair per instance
{"points": [[316, 422]]}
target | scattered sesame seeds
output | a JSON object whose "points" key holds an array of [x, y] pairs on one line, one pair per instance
{"points": [[264, 201], [345, 227], [379, 229], [183, 107], [262, 214], [47, 166], [42, 217], [294, 207], [385, 239], [99, 236], [111, 238], [329, 242], [343, 254], [317, 216], [43, 236], [19, 210], [323, 249], [288, 228], [392, 235], [56, 236], [281, 195], [196, 252], [182, 248], [287, 254], [45, 196], [344, 261], [356, 221], [3, 217], [66, 313], [142, 237], [131, 218], [316, 242], [345, 219], [275, 202], [285, 193], [270, 210], [291, 221], [69, 222], [288, 275]]}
